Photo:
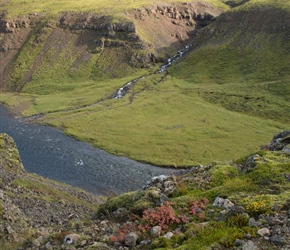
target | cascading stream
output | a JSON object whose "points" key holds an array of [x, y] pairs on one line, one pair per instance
{"points": [[48, 152], [121, 92]]}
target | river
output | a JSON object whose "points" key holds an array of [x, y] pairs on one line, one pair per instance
{"points": [[48, 152]]}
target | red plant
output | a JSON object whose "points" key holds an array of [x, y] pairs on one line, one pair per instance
{"points": [[162, 216], [113, 238], [198, 206], [125, 229]]}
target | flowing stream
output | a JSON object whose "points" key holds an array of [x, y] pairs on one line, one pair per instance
{"points": [[123, 90], [50, 153]]}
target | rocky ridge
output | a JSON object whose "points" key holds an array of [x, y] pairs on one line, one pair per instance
{"points": [[37, 213]]}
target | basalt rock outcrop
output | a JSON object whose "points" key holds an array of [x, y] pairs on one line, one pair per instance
{"points": [[280, 141]]}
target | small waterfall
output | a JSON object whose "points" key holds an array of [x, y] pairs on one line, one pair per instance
{"points": [[170, 60], [123, 90]]}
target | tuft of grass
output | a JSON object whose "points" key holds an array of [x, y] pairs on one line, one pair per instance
{"points": [[47, 192]]}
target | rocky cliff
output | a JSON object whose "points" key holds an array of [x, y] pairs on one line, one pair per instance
{"points": [[70, 43]]}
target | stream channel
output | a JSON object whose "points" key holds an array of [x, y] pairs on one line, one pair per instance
{"points": [[48, 152]]}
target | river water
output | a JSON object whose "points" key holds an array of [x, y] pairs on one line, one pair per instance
{"points": [[50, 153]]}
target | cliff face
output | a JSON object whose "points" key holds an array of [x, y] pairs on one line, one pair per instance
{"points": [[38, 47]]}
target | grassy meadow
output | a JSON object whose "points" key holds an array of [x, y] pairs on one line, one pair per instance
{"points": [[168, 123], [223, 100]]}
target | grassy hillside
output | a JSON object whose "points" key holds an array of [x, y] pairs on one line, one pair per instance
{"points": [[241, 61], [19, 8], [232, 89]]}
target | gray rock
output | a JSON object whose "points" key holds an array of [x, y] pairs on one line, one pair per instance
{"points": [[237, 210], [277, 240], [156, 231], [131, 239], [238, 243], [275, 221], [117, 244], [276, 207], [71, 238], [37, 242], [1, 195], [48, 246], [286, 149], [250, 245], [145, 242], [168, 235], [254, 223], [263, 232], [250, 163], [225, 203], [168, 184], [223, 215], [154, 179], [163, 198], [280, 141], [162, 178]]}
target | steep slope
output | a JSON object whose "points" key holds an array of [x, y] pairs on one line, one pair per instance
{"points": [[239, 204], [241, 60], [72, 46], [30, 205]]}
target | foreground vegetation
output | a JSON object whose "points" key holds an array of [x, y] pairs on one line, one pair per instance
{"points": [[258, 193], [225, 205]]}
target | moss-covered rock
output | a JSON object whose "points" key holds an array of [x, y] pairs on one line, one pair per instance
{"points": [[10, 158], [135, 202]]}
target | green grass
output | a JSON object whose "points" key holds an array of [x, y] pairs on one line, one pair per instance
{"points": [[277, 3], [20, 7], [225, 99], [167, 125], [252, 190], [47, 190]]}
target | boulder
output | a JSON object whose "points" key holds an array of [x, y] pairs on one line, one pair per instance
{"points": [[71, 238], [250, 163], [131, 239], [280, 141], [225, 203], [155, 231], [263, 232]]}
